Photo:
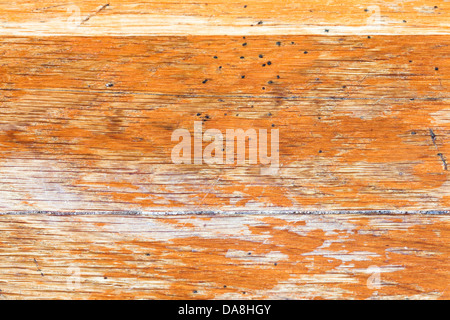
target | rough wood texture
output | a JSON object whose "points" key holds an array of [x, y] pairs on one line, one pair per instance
{"points": [[224, 17], [86, 123], [91, 92], [203, 257]]}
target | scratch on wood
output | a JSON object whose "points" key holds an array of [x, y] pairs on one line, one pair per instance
{"points": [[440, 154], [93, 14], [433, 137], [37, 266], [444, 162]]}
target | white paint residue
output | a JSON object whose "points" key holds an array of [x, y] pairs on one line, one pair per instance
{"points": [[343, 255], [330, 225]]}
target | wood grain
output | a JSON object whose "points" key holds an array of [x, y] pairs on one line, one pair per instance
{"points": [[224, 257], [87, 122], [224, 17], [91, 92]]}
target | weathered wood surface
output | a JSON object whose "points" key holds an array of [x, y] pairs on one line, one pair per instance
{"points": [[86, 123], [91, 92], [223, 17], [225, 257]]}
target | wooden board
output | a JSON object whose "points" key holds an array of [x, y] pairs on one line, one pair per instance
{"points": [[87, 123], [224, 17], [225, 257], [92, 93]]}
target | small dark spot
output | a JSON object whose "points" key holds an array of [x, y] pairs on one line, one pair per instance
{"points": [[270, 82], [109, 85], [436, 68], [242, 57], [224, 286], [215, 57], [366, 10], [244, 44], [260, 22], [264, 88], [319, 118], [344, 87], [292, 42], [326, 30], [273, 125], [205, 81], [410, 61], [269, 114], [220, 67], [264, 65], [207, 117], [404, 21], [369, 37], [195, 291], [413, 133], [261, 56], [242, 77], [278, 43], [275, 264], [199, 114], [306, 52], [249, 253], [320, 151], [269, 63], [105, 278], [244, 292], [244, 7]]}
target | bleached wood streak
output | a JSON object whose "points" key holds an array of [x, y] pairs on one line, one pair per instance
{"points": [[223, 17]]}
